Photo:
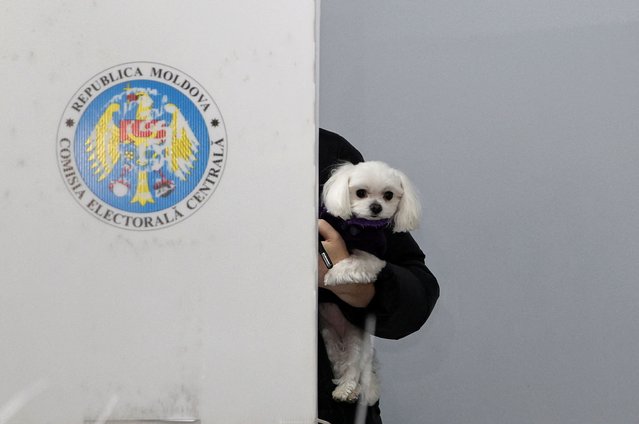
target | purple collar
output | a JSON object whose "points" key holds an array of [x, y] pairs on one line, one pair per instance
{"points": [[374, 224], [369, 223]]}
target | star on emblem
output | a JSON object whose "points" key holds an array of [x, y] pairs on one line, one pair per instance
{"points": [[69, 122], [215, 122]]}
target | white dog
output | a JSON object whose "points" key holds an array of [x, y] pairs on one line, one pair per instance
{"points": [[361, 201]]}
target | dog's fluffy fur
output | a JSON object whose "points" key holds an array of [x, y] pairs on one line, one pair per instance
{"points": [[371, 191]]}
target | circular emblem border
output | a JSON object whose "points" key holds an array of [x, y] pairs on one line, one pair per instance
{"points": [[130, 72]]}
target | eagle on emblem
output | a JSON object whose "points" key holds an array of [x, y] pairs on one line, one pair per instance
{"points": [[146, 144]]}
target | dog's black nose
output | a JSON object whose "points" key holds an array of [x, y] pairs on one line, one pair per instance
{"points": [[375, 208]]}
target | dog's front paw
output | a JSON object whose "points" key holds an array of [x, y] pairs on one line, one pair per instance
{"points": [[347, 391], [360, 267]]}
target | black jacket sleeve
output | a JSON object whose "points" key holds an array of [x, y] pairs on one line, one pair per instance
{"points": [[405, 291]]}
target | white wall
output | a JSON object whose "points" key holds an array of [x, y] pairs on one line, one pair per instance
{"points": [[518, 122], [204, 319]]}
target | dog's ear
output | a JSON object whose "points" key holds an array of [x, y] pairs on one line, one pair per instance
{"points": [[335, 194], [409, 210]]}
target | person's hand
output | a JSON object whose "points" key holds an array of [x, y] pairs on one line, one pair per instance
{"points": [[358, 295], [333, 244]]}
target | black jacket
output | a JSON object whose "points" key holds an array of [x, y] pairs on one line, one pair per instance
{"points": [[405, 292]]}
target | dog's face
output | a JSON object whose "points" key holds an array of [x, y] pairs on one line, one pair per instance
{"points": [[372, 190], [375, 191]]}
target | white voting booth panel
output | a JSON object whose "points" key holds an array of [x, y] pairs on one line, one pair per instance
{"points": [[157, 211]]}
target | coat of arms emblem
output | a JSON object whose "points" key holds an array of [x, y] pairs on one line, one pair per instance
{"points": [[142, 145]]}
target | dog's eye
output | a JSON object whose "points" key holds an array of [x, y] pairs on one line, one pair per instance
{"points": [[361, 193], [388, 195]]}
